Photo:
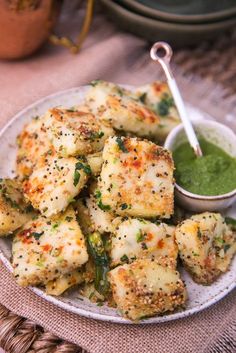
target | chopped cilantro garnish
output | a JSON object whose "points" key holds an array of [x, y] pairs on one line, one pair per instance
{"points": [[49, 152], [55, 225], [81, 166], [76, 177], [143, 221], [144, 246], [121, 145], [199, 234], [71, 199], [120, 91], [231, 222], [68, 218], [37, 235], [98, 196], [85, 167], [139, 236], [100, 303], [143, 96], [226, 247], [124, 258], [8, 199], [163, 107], [220, 240], [91, 295], [103, 207], [123, 206], [96, 135]]}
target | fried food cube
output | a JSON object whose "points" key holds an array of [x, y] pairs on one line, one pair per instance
{"points": [[122, 109], [34, 148], [46, 249], [14, 210], [138, 238], [206, 246], [136, 178], [158, 98], [145, 288], [59, 285], [52, 187], [74, 133]]}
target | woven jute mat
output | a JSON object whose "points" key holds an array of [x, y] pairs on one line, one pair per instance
{"points": [[207, 77]]}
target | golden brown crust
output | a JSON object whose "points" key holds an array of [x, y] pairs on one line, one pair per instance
{"points": [[144, 288], [137, 178]]}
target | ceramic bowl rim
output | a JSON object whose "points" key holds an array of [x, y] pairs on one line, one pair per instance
{"points": [[165, 25], [164, 15]]}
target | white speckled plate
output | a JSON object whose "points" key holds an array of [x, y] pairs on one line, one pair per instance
{"points": [[200, 297]]}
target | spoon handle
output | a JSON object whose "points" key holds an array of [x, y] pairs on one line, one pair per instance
{"points": [[164, 62]]}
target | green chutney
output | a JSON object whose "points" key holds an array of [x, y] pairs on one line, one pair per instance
{"points": [[213, 174]]}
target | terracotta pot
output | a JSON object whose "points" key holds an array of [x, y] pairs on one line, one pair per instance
{"points": [[22, 32]]}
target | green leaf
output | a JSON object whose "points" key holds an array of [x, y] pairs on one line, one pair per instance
{"points": [[231, 222], [120, 91], [144, 246], [139, 236], [55, 225], [219, 240], [199, 234], [76, 177], [121, 145], [85, 167], [37, 235], [226, 247], [163, 107], [96, 135], [98, 196], [71, 199], [123, 206], [103, 207], [81, 166], [97, 252], [124, 258], [68, 218], [100, 303], [143, 97]]}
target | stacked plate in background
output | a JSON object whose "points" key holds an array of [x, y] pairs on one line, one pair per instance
{"points": [[180, 22]]}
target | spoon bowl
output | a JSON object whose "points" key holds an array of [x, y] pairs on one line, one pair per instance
{"points": [[221, 136]]}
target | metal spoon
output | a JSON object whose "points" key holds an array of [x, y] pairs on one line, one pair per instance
{"points": [[164, 62]]}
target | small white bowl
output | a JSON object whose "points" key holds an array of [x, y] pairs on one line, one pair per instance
{"points": [[221, 136]]}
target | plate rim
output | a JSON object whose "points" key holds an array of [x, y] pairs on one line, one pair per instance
{"points": [[89, 314], [165, 25], [162, 15]]}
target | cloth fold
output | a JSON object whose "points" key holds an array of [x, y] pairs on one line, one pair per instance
{"points": [[110, 55]]}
